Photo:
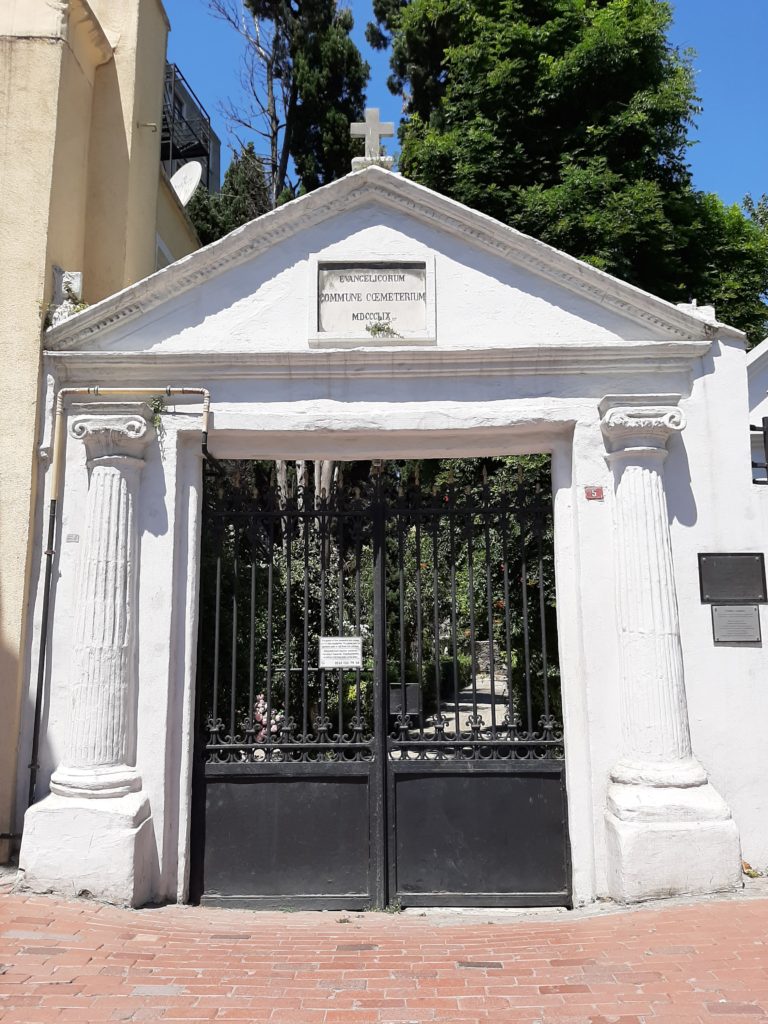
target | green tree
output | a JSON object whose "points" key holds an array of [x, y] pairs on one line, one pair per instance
{"points": [[569, 120], [730, 254], [244, 196], [304, 82], [757, 211]]}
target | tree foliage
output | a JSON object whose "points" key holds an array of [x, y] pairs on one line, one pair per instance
{"points": [[244, 196], [757, 211], [304, 81], [569, 120]]}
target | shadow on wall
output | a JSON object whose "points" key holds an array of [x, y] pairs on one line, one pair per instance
{"points": [[681, 503], [109, 192], [152, 520]]}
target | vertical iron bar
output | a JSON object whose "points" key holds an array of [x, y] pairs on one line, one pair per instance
{"points": [[379, 768], [454, 638], [489, 602], [419, 625], [358, 556], [305, 689], [471, 588], [526, 638], [401, 570], [270, 592], [216, 639], [542, 607], [233, 666], [507, 637], [340, 529], [436, 606], [323, 524], [252, 644], [288, 568]]}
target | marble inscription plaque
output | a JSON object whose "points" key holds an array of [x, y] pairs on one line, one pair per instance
{"points": [[383, 300]]}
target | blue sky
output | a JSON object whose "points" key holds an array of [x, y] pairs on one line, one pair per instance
{"points": [[730, 38]]}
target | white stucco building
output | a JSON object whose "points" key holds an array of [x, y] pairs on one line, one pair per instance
{"points": [[512, 348]]}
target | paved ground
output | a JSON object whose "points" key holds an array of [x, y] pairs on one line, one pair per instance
{"points": [[667, 964]]}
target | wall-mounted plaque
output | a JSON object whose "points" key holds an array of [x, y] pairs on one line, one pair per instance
{"points": [[732, 579], [383, 300], [341, 652], [736, 623]]}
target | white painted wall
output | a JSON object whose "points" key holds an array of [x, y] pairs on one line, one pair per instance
{"points": [[532, 382]]}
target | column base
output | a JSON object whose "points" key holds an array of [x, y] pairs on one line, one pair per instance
{"points": [[672, 841], [101, 782], [103, 848]]}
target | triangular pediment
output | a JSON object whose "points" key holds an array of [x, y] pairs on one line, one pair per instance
{"points": [[496, 287]]}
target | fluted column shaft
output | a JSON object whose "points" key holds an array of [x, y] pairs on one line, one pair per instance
{"points": [[99, 751], [654, 713]]}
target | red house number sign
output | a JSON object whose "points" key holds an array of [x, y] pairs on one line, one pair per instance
{"points": [[593, 493]]}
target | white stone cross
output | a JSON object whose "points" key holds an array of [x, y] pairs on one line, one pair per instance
{"points": [[373, 131]]}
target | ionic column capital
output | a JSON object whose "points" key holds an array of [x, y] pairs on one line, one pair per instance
{"points": [[115, 433], [633, 423]]}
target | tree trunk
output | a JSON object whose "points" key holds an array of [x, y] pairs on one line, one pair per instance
{"points": [[281, 468], [274, 129], [290, 113], [329, 474]]}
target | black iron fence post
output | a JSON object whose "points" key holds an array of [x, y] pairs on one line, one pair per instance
{"points": [[379, 836]]}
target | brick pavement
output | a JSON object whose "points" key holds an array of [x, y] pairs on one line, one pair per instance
{"points": [[691, 963]]}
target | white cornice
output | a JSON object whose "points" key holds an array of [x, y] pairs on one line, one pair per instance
{"points": [[189, 367], [374, 185]]}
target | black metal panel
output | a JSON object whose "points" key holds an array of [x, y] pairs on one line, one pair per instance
{"points": [[732, 578], [480, 834], [298, 836]]}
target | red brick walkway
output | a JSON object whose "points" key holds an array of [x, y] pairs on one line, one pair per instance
{"points": [[685, 964]]}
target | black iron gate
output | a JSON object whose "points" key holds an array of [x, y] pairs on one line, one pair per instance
{"points": [[429, 771]]}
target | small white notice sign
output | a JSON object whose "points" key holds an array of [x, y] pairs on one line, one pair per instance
{"points": [[384, 300], [341, 652], [736, 623]]}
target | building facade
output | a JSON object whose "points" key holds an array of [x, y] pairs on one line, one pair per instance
{"points": [[83, 191], [374, 322], [187, 131]]}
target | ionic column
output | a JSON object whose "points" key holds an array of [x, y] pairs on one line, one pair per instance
{"points": [[99, 752], [94, 832], [668, 830], [654, 712]]}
